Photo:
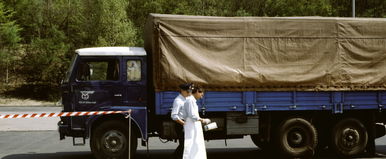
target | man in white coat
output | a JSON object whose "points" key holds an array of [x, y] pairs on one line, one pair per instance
{"points": [[178, 116], [194, 147]]}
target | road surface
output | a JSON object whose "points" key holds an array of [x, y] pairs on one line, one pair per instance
{"points": [[38, 139]]}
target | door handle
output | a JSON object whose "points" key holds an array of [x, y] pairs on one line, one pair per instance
{"points": [[117, 95]]}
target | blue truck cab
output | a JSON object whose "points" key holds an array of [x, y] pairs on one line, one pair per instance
{"points": [[106, 79]]}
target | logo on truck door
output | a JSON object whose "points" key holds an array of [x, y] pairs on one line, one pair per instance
{"points": [[86, 94]]}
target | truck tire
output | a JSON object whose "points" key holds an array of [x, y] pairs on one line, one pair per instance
{"points": [[296, 137], [261, 144], [349, 137], [110, 140]]}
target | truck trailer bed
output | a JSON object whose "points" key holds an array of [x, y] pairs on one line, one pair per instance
{"points": [[253, 102]]}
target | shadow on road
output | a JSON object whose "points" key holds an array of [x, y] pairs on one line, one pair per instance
{"points": [[58, 155], [221, 153], [213, 153], [381, 149]]}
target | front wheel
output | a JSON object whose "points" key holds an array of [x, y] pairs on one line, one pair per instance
{"points": [[110, 140], [349, 137]]}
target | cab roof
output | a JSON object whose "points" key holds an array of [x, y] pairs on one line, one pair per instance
{"points": [[111, 51]]}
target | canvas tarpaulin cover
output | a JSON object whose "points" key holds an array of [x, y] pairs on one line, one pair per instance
{"points": [[267, 53]]}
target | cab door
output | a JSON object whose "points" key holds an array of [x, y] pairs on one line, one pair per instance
{"points": [[135, 80], [98, 83]]}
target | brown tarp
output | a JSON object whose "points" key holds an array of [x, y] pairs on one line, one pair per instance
{"points": [[267, 54]]}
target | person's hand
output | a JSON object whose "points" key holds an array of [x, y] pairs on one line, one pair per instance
{"points": [[181, 122], [206, 121]]}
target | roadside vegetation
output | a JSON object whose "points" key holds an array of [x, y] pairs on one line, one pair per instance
{"points": [[38, 37]]}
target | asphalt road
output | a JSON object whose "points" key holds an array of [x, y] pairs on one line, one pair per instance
{"points": [[28, 124], [46, 145], [38, 139]]}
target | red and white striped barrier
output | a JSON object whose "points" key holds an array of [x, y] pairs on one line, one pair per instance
{"points": [[48, 115]]}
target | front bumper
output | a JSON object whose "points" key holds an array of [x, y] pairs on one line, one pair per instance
{"points": [[63, 130], [66, 130]]}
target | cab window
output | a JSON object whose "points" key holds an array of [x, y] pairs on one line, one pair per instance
{"points": [[133, 70], [98, 70]]}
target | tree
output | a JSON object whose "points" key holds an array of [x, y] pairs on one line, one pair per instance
{"points": [[371, 8], [297, 8], [9, 39], [45, 59], [106, 23], [38, 37]]}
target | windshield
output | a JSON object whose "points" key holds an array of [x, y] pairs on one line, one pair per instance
{"points": [[69, 71]]}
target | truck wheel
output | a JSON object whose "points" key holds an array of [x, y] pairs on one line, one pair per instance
{"points": [[110, 140], [349, 137], [261, 144], [296, 138]]}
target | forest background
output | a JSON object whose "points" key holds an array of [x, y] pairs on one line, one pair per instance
{"points": [[38, 37]]}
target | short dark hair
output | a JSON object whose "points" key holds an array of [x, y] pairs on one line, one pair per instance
{"points": [[197, 88], [186, 86]]}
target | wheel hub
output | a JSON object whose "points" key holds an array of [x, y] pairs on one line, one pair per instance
{"points": [[113, 141], [296, 138], [350, 137]]}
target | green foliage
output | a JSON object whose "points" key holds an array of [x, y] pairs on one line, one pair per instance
{"points": [[108, 24], [9, 34], [297, 8], [9, 41], [373, 8], [29, 15], [45, 60], [9, 30], [38, 37]]}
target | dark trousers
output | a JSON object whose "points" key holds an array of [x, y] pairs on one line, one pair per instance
{"points": [[181, 140]]}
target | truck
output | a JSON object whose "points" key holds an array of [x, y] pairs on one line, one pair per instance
{"points": [[296, 85]]}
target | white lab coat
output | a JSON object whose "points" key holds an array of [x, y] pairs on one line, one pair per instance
{"points": [[194, 147]]}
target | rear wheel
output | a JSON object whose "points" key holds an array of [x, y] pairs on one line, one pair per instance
{"points": [[110, 140], [296, 137], [349, 137]]}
